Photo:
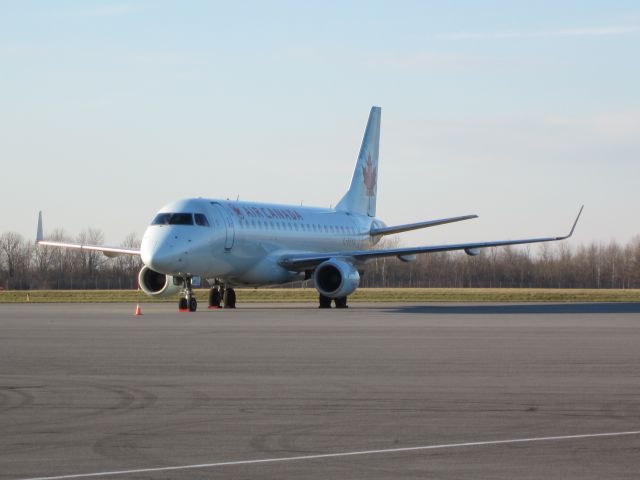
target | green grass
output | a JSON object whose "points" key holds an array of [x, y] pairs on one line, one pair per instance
{"points": [[362, 295]]}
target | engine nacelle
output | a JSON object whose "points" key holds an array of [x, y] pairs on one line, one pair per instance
{"points": [[156, 284], [336, 278]]}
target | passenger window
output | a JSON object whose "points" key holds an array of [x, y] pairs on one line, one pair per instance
{"points": [[201, 220]]}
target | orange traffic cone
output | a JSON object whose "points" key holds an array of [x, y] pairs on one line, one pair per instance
{"points": [[138, 310]]}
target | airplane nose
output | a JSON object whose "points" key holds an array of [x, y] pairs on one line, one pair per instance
{"points": [[161, 254], [168, 257], [162, 260]]}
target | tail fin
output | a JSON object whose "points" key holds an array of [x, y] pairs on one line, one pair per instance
{"points": [[361, 196]]}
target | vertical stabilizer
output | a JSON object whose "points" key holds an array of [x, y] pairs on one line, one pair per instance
{"points": [[361, 196]]}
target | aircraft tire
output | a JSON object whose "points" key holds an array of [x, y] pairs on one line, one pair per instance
{"points": [[230, 298], [214, 297], [193, 304], [183, 304], [341, 302], [324, 302]]}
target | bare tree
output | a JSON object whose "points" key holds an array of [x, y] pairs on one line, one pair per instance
{"points": [[89, 260], [16, 255], [128, 266]]}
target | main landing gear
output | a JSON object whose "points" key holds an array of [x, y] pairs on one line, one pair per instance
{"points": [[325, 302], [222, 295]]}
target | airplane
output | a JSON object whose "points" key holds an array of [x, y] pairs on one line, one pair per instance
{"points": [[238, 243]]}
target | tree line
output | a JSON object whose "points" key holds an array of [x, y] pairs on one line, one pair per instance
{"points": [[24, 265], [546, 265]]}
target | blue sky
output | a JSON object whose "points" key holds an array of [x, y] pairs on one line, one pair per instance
{"points": [[516, 111]]}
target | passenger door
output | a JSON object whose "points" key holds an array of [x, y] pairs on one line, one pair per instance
{"points": [[228, 223]]}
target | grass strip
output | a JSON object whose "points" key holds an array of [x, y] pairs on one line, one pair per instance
{"points": [[362, 295]]}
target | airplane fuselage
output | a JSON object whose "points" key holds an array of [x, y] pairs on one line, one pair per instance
{"points": [[241, 242]]}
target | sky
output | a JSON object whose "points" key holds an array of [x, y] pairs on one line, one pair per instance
{"points": [[519, 112]]}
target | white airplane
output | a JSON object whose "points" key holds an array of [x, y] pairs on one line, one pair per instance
{"points": [[234, 243]]}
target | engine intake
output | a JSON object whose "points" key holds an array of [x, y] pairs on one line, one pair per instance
{"points": [[156, 284], [336, 278]]}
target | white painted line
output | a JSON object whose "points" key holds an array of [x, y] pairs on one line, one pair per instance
{"points": [[334, 455]]}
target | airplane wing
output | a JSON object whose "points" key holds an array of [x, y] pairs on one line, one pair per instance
{"points": [[415, 226], [302, 262], [108, 251]]}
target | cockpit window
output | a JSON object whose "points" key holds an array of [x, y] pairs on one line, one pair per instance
{"points": [[173, 219], [201, 219]]}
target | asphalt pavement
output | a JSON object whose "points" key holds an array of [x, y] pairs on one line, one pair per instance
{"points": [[377, 391]]}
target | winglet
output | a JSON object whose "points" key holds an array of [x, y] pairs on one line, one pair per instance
{"points": [[574, 225], [39, 235]]}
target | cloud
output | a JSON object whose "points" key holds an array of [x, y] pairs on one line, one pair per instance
{"points": [[612, 30]]}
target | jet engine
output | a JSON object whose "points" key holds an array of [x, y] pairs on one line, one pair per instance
{"points": [[156, 284], [336, 278]]}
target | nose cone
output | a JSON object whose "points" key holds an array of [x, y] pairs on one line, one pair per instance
{"points": [[164, 261], [159, 252], [147, 247]]}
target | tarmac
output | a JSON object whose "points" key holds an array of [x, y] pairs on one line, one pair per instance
{"points": [[377, 391]]}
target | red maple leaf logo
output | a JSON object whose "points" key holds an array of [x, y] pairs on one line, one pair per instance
{"points": [[369, 175], [237, 211]]}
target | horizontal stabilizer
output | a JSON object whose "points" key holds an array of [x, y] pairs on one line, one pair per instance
{"points": [[415, 226]]}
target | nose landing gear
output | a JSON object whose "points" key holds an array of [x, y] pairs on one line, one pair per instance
{"points": [[187, 302]]}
